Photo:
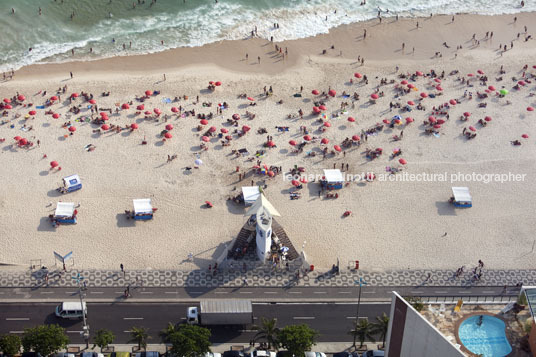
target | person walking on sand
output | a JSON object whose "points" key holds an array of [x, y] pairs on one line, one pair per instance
{"points": [[71, 73], [259, 59]]}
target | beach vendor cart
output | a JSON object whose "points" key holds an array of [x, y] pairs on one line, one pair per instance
{"points": [[70, 184], [143, 210], [461, 197], [65, 214], [332, 180]]}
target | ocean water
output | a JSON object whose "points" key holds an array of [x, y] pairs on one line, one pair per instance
{"points": [[104, 25]]}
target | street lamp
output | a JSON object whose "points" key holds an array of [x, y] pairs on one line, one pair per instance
{"points": [[85, 328], [361, 282]]}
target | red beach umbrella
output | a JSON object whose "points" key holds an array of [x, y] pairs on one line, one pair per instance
{"points": [[351, 119], [54, 164], [206, 139], [470, 75], [419, 73], [174, 109], [251, 99], [125, 106], [404, 82], [324, 141], [17, 138], [472, 128], [327, 124], [92, 101], [441, 121], [439, 88], [224, 130], [402, 161], [466, 114], [147, 112], [72, 129], [74, 95], [525, 136], [236, 116], [452, 102], [530, 109], [356, 138], [337, 148], [134, 126], [217, 84], [437, 80], [105, 127], [55, 115], [53, 98], [432, 119], [315, 92], [322, 107], [212, 129], [410, 86], [245, 128], [487, 119], [7, 100], [357, 75], [32, 112], [229, 137], [409, 120], [307, 138], [332, 93], [410, 102], [295, 183], [480, 71], [168, 135], [386, 121], [169, 127], [157, 111], [374, 96], [140, 107], [492, 88], [437, 126], [148, 93], [23, 141], [423, 95], [21, 98], [316, 110], [203, 122], [292, 142], [270, 144], [8, 106]]}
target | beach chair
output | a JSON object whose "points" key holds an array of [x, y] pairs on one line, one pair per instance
{"points": [[458, 306]]}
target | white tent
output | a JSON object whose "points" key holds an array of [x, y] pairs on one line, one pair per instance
{"points": [[64, 209], [333, 176], [461, 194], [262, 202], [142, 206], [251, 194], [71, 181]]}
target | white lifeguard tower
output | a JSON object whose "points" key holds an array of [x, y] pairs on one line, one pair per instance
{"points": [[263, 211]]}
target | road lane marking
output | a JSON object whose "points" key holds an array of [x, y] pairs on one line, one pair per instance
{"points": [[171, 292], [440, 291], [488, 292], [196, 292], [132, 318], [96, 292], [464, 292], [270, 292], [73, 331], [345, 292], [369, 292], [350, 317], [320, 292], [248, 330], [246, 292], [119, 292], [221, 292], [127, 331], [146, 292], [17, 318], [303, 318], [71, 292], [16, 331], [416, 292], [47, 292], [294, 292]]}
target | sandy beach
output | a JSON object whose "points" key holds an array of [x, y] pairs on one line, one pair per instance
{"points": [[394, 225]]}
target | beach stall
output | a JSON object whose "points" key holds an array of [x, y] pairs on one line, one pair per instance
{"points": [[65, 214], [250, 194], [332, 180], [461, 197], [143, 210], [70, 184]]}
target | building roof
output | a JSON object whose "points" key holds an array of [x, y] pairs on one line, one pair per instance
{"points": [[251, 193], [461, 194], [142, 205], [262, 202], [72, 180], [64, 209], [333, 175]]}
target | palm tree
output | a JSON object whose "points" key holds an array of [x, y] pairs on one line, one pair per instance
{"points": [[381, 326], [139, 336], [168, 331], [268, 331], [362, 330]]}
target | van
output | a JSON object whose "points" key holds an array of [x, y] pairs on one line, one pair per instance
{"points": [[71, 310]]}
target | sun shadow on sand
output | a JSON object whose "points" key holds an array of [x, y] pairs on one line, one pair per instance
{"points": [[44, 173], [54, 193], [444, 208], [235, 208], [123, 222], [45, 225]]}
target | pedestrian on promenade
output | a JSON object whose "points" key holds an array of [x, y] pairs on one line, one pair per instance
{"points": [[122, 268], [245, 281]]}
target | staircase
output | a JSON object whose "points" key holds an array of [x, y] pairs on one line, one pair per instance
{"points": [[242, 239], [284, 239]]}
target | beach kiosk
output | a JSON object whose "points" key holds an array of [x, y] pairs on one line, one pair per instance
{"points": [[461, 197], [70, 184], [64, 214], [143, 210], [263, 211], [250, 194], [332, 180]]}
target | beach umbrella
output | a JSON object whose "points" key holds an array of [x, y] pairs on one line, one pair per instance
{"points": [[212, 129], [423, 95], [147, 112], [92, 101], [307, 138], [74, 95], [441, 121], [270, 144], [217, 84], [55, 115], [374, 96], [470, 75], [437, 80], [251, 99], [203, 122], [270, 173], [503, 91], [419, 73], [487, 118], [370, 176], [229, 137], [525, 136], [105, 127], [327, 124], [437, 126], [409, 120], [357, 75], [452, 102], [410, 102], [21, 98], [402, 161], [53, 98], [198, 162], [245, 128], [32, 112], [206, 139], [148, 93], [7, 100], [324, 141], [337, 148], [351, 119], [125, 106], [236, 116], [295, 183], [140, 107], [386, 121], [174, 109], [302, 180], [157, 111], [316, 110], [404, 82], [322, 107], [223, 130], [23, 141], [466, 114], [480, 71], [521, 83], [106, 118], [315, 92], [439, 88], [398, 121], [134, 126], [492, 88], [472, 128], [432, 119], [17, 138], [103, 114], [356, 138], [530, 109], [292, 142], [534, 66], [168, 135], [332, 93], [169, 127], [54, 164], [8, 106], [72, 129], [411, 86]]}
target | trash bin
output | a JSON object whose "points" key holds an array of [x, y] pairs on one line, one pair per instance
{"points": [[311, 267], [356, 264]]}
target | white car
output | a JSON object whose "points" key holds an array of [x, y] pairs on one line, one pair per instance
{"points": [[374, 353], [192, 315], [212, 354], [261, 353], [315, 354]]}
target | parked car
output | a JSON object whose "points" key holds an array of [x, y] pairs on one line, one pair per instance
{"points": [[233, 353], [146, 354], [88, 354], [120, 354], [212, 354], [346, 354], [31, 354], [315, 354], [261, 353], [374, 353], [64, 354]]}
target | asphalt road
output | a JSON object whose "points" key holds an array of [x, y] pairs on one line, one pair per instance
{"points": [[331, 320]]}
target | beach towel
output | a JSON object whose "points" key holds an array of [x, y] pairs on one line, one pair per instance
{"points": [[24, 129], [346, 96], [297, 95], [166, 100], [437, 135], [40, 106]]}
